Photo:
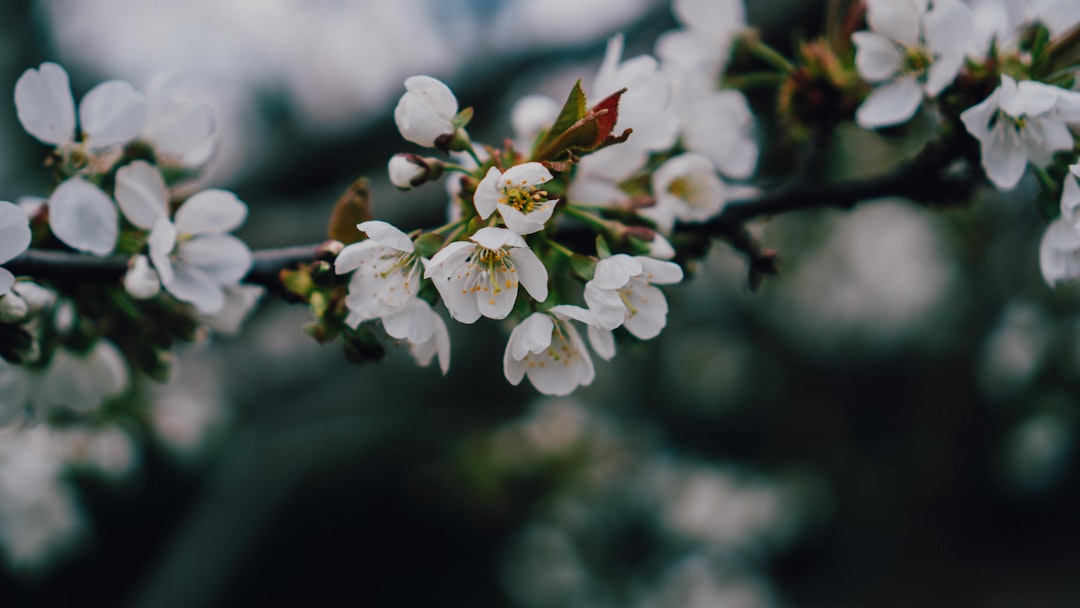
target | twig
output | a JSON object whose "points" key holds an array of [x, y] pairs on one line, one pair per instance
{"points": [[63, 265]]}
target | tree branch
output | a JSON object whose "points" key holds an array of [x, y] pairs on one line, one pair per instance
{"points": [[65, 265]]}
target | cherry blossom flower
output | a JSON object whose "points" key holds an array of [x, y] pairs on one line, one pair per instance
{"points": [[686, 188], [14, 239], [83, 217], [386, 272], [193, 256], [623, 292], [912, 51], [425, 331], [481, 276], [523, 207], [180, 127], [1021, 123], [425, 111], [549, 350], [77, 380], [110, 114], [1059, 252], [704, 40]]}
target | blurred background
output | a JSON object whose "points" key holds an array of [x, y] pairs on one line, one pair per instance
{"points": [[889, 422]]}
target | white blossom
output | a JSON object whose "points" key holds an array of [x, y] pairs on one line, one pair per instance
{"points": [[524, 208], [180, 127], [110, 114], [623, 292], [912, 51], [386, 272], [704, 41], [425, 111], [423, 329], [481, 276], [141, 281], [14, 239], [1059, 252], [404, 171], [686, 188], [193, 254], [78, 381], [1021, 123], [240, 300], [549, 350]]}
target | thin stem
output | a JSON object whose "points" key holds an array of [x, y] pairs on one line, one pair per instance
{"points": [[586, 217], [769, 55]]}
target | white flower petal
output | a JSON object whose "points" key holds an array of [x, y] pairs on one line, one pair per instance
{"points": [[192, 285], [497, 238], [15, 232], [44, 104], [487, 193], [497, 295], [977, 118], [111, 114], [6, 280], [615, 271], [161, 242], [387, 234], [223, 257], [607, 307], [209, 212], [602, 341], [897, 19], [890, 104], [358, 254], [1059, 252], [1004, 156], [240, 300], [526, 223], [948, 27], [660, 273], [647, 310], [414, 321], [527, 174], [141, 194], [84, 217], [531, 273], [876, 57]]}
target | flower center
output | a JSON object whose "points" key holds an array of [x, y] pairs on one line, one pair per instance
{"points": [[916, 61], [524, 198]]}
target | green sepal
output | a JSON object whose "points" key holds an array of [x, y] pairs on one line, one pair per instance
{"points": [[428, 244], [462, 119], [602, 249], [583, 266]]}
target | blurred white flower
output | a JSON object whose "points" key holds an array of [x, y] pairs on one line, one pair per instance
{"points": [[1021, 123], [425, 111], [39, 516], [549, 350], [913, 50], [240, 300], [141, 281], [531, 115], [481, 277], [623, 292], [180, 127], [524, 208], [194, 257], [14, 239], [686, 188], [1002, 21], [110, 114], [643, 108], [77, 381], [704, 41], [386, 272]]}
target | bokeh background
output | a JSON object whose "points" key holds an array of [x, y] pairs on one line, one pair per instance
{"points": [[889, 422]]}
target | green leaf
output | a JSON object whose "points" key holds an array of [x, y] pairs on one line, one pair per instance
{"points": [[572, 111], [590, 133], [583, 266]]}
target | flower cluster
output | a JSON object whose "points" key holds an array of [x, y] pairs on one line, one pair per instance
{"points": [[123, 161]]}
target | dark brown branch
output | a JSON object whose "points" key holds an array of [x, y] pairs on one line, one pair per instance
{"points": [[75, 266]]}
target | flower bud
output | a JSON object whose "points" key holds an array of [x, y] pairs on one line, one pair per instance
{"points": [[426, 110], [408, 171], [327, 251], [141, 281], [37, 297], [13, 309]]}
